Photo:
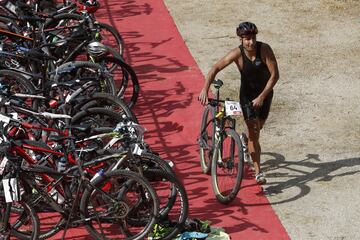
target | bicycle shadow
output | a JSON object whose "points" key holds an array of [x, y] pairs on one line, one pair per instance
{"points": [[147, 64], [300, 173], [118, 10], [155, 106], [115, 12]]}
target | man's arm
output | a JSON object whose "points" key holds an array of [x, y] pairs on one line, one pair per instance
{"points": [[220, 65], [271, 63]]}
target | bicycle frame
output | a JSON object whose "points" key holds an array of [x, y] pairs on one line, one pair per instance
{"points": [[91, 30], [221, 121], [14, 35], [46, 195], [20, 149], [24, 148], [223, 157]]}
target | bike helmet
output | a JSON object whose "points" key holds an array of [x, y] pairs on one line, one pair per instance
{"points": [[90, 6], [246, 28], [96, 49]]}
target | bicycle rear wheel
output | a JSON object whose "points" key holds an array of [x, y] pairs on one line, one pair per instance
{"points": [[86, 71], [24, 221], [108, 101], [207, 138], [14, 82], [124, 195], [227, 167], [97, 117], [124, 77], [174, 205]]}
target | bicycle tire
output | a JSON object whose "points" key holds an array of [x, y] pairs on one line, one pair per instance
{"points": [[18, 84], [125, 78], [27, 214], [107, 101], [97, 117], [223, 167], [155, 170], [119, 42], [156, 165], [173, 198], [107, 85], [126, 181], [207, 138], [174, 212], [174, 205]]}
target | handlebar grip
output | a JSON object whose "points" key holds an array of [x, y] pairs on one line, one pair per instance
{"points": [[218, 83]]}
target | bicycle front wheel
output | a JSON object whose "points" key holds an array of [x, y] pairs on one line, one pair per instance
{"points": [[227, 167], [207, 137], [111, 37]]}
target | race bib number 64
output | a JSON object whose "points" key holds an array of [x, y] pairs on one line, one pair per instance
{"points": [[232, 108]]}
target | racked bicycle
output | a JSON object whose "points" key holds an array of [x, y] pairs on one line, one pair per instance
{"points": [[104, 203]]}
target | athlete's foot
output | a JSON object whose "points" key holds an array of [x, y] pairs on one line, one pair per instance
{"points": [[260, 178]]}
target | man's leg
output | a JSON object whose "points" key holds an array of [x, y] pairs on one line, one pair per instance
{"points": [[254, 127], [253, 142]]}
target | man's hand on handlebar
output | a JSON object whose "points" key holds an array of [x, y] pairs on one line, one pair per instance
{"points": [[203, 97]]}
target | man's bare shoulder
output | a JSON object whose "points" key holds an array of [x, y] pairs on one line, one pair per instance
{"points": [[237, 57], [266, 49], [235, 51], [232, 55]]}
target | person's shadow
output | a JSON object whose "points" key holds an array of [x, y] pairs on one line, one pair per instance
{"points": [[300, 173]]}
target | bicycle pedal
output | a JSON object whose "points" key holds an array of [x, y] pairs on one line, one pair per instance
{"points": [[220, 163], [203, 144], [247, 158]]}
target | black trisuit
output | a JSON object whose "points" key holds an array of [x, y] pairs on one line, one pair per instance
{"points": [[254, 77]]}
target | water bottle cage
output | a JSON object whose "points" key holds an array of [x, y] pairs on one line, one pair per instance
{"points": [[220, 114]]}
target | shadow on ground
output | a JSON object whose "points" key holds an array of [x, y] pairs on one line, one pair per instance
{"points": [[298, 174]]}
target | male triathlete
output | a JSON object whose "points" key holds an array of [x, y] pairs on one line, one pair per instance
{"points": [[259, 73]]}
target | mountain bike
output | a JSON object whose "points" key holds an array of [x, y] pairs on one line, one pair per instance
{"points": [[221, 147], [10, 199], [105, 201]]}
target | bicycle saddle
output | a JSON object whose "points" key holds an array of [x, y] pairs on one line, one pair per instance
{"points": [[217, 83]]}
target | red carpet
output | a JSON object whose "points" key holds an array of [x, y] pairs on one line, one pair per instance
{"points": [[170, 82]]}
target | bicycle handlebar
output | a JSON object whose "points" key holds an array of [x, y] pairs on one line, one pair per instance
{"points": [[213, 101]]}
